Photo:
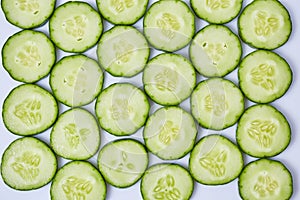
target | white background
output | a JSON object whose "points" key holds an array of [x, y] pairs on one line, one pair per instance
{"points": [[288, 105]]}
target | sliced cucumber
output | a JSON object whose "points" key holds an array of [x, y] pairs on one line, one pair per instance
{"points": [[122, 11], [123, 51], [217, 11], [28, 164], [167, 181], [28, 56], [75, 26], [265, 180], [75, 135], [123, 162], [265, 24], [263, 131], [215, 160], [169, 79], [76, 80], [78, 180], [264, 76], [169, 25], [27, 14], [29, 109], [217, 103], [215, 51], [122, 109], [170, 133]]}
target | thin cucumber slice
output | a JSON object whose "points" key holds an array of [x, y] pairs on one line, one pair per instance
{"points": [[264, 76], [122, 109], [28, 56], [215, 160], [217, 103], [167, 181], [76, 80], [170, 133], [215, 51], [75, 135], [122, 11], [263, 131], [27, 14], [75, 26], [169, 79], [29, 109], [217, 11], [78, 180], [265, 180], [123, 162], [265, 24], [123, 51], [169, 25], [28, 164]]}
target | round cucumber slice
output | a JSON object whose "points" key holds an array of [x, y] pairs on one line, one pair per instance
{"points": [[264, 76], [169, 25], [122, 11], [217, 103], [167, 181], [75, 26], [78, 180], [215, 51], [265, 179], [122, 109], [265, 24], [123, 51], [27, 14], [28, 56], [263, 131], [76, 80], [215, 160], [170, 133], [217, 11], [123, 162], [29, 109], [169, 79], [75, 135], [28, 164]]}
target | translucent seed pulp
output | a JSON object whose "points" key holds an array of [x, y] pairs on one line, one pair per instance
{"points": [[120, 109], [166, 80], [27, 166], [75, 135], [75, 26], [165, 189], [265, 186], [77, 188], [263, 75], [29, 112], [169, 24], [121, 5], [265, 24], [168, 132], [214, 163], [30, 6], [29, 56]]}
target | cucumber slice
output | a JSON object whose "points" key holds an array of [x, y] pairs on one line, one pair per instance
{"points": [[170, 133], [217, 11], [123, 162], [75, 26], [264, 76], [265, 180], [28, 110], [169, 79], [75, 135], [78, 180], [265, 24], [28, 164], [122, 11], [263, 131], [123, 51], [122, 109], [215, 51], [217, 103], [167, 181], [28, 56], [27, 14], [76, 80], [215, 160], [169, 25]]}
